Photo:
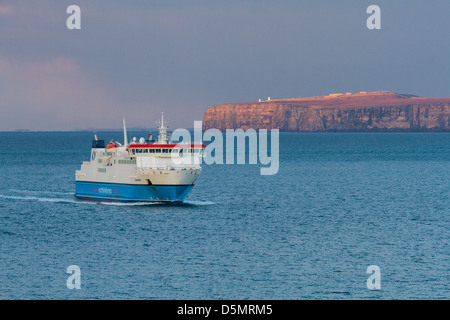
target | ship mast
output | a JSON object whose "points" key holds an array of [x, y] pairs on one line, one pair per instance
{"points": [[162, 127], [125, 138]]}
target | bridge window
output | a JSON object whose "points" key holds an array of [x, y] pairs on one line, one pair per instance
{"points": [[127, 161]]}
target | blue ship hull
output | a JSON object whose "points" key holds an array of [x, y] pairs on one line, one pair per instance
{"points": [[107, 192]]}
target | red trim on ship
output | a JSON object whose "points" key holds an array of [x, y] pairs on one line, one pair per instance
{"points": [[164, 146]]}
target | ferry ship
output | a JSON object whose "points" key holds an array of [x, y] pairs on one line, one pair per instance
{"points": [[139, 171]]}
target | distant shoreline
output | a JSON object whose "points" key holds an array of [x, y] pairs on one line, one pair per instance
{"points": [[380, 111]]}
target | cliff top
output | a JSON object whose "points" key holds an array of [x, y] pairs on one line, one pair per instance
{"points": [[377, 98]]}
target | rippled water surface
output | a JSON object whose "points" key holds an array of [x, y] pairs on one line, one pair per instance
{"points": [[340, 203]]}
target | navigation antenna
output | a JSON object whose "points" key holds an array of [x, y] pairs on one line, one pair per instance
{"points": [[162, 127]]}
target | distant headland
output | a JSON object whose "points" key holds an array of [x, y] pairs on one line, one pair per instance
{"points": [[381, 111]]}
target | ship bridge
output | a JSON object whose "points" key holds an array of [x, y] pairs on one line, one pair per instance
{"points": [[155, 149]]}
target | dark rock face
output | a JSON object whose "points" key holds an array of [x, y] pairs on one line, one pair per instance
{"points": [[373, 111]]}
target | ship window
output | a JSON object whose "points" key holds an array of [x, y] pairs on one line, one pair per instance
{"points": [[158, 150], [145, 150], [103, 170], [152, 150], [165, 150], [138, 150], [127, 161]]}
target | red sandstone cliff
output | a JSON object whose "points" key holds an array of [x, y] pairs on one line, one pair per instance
{"points": [[364, 111]]}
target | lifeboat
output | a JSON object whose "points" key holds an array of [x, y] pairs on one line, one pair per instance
{"points": [[111, 148], [111, 145]]}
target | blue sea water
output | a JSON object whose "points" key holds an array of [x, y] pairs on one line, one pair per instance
{"points": [[339, 203]]}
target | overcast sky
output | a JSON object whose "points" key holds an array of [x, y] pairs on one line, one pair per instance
{"points": [[137, 58]]}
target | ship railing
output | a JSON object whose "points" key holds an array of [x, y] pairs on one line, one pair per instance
{"points": [[165, 168]]}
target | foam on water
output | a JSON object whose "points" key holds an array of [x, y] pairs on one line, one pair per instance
{"points": [[44, 196], [43, 199], [198, 203], [187, 202], [39, 192], [131, 203]]}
